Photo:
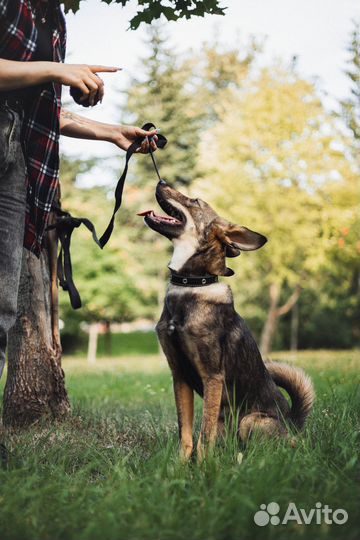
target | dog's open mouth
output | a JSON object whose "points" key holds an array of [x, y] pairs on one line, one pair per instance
{"points": [[167, 220], [174, 218]]}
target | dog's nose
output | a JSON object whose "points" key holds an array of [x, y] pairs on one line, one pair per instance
{"points": [[162, 182]]}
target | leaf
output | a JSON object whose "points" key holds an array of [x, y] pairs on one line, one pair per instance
{"points": [[240, 458], [73, 5], [169, 13]]}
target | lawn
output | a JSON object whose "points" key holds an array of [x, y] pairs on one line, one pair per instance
{"points": [[112, 472]]}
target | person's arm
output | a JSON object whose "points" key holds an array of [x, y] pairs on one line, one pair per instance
{"points": [[15, 75], [73, 125]]}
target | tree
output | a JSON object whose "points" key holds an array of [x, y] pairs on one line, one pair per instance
{"points": [[153, 9], [216, 72], [275, 176], [351, 106], [161, 96]]}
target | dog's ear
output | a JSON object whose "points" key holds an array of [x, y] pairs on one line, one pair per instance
{"points": [[231, 251], [242, 238], [237, 238], [216, 262]]}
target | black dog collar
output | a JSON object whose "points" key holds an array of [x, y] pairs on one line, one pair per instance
{"points": [[186, 281]]}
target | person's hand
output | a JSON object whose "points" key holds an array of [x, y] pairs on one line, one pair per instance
{"points": [[124, 136], [83, 77]]}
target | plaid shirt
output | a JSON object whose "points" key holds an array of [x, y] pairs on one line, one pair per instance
{"points": [[41, 126]]}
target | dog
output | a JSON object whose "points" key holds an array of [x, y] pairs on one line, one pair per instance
{"points": [[208, 346]]}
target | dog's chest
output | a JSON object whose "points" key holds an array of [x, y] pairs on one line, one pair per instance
{"points": [[193, 324], [193, 311]]}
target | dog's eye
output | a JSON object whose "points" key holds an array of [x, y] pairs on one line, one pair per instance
{"points": [[197, 202]]}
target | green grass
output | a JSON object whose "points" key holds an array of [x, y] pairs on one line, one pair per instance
{"points": [[112, 472], [133, 343], [123, 344]]}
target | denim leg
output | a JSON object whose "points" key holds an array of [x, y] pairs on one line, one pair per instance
{"points": [[12, 218]]}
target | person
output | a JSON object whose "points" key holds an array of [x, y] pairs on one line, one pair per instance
{"points": [[32, 73]]}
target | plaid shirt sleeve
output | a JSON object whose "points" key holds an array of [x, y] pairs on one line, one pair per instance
{"points": [[41, 126]]}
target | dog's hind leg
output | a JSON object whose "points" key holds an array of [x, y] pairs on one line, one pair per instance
{"points": [[261, 423]]}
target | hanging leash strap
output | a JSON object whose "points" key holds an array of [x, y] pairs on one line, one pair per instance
{"points": [[65, 226], [66, 223], [161, 142]]}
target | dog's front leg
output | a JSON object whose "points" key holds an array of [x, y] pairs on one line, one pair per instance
{"points": [[184, 397], [213, 387]]}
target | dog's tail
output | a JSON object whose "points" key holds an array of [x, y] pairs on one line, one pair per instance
{"points": [[299, 387]]}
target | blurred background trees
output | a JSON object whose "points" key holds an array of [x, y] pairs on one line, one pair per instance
{"points": [[259, 145], [281, 176]]}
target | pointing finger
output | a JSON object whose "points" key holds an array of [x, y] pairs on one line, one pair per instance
{"points": [[108, 69]]}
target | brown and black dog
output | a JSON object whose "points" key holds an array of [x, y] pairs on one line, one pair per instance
{"points": [[208, 346]]}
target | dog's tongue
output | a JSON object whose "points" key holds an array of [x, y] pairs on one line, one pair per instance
{"points": [[160, 219]]}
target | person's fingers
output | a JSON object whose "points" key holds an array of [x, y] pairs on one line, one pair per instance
{"points": [[153, 145], [148, 133], [84, 90], [91, 83], [101, 89], [92, 98], [93, 87], [145, 146], [104, 69]]}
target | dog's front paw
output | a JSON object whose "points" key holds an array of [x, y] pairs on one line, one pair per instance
{"points": [[186, 451], [200, 451]]}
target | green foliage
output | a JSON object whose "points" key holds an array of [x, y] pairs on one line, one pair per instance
{"points": [[216, 72], [161, 96], [289, 175], [112, 471], [153, 9]]}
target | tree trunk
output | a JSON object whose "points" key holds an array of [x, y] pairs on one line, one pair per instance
{"points": [[294, 327], [93, 339], [274, 313], [108, 338], [269, 329], [35, 383]]}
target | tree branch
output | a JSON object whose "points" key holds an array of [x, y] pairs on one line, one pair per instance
{"points": [[285, 308]]}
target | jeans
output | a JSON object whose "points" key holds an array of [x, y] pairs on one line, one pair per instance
{"points": [[12, 218]]}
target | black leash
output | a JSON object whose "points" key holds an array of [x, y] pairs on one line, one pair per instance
{"points": [[161, 142], [65, 226], [66, 223]]}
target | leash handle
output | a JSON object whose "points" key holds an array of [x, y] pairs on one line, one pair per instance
{"points": [[65, 226]]}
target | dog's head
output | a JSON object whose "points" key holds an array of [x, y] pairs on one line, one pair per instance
{"points": [[202, 240]]}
